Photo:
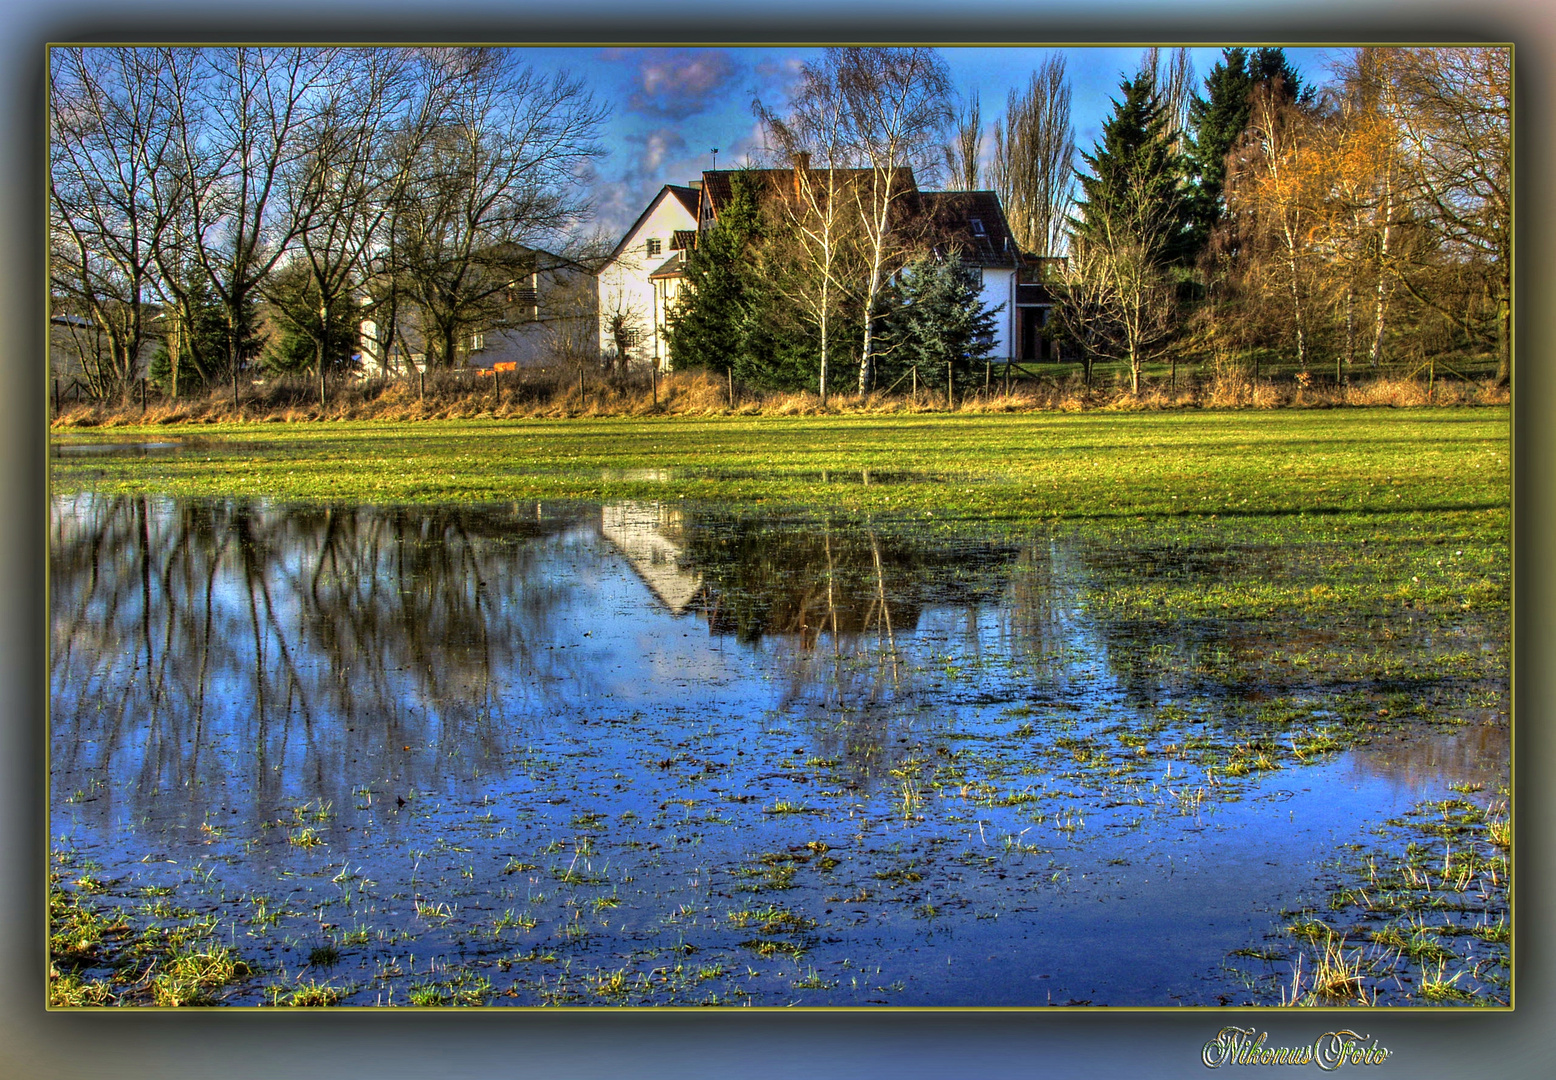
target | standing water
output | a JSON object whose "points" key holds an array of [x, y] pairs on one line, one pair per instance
{"points": [[636, 754]]}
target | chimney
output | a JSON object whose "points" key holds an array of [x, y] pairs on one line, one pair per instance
{"points": [[801, 167], [695, 185]]}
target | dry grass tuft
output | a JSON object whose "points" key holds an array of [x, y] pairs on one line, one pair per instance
{"points": [[557, 393]]}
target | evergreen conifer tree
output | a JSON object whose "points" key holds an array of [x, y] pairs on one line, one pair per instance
{"points": [[1218, 120], [1135, 192], [710, 323], [937, 318]]}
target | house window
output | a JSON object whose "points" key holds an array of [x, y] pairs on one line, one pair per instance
{"points": [[524, 297], [477, 342], [977, 226], [655, 246]]}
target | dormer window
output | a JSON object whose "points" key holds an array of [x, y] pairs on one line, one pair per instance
{"points": [[655, 246]]}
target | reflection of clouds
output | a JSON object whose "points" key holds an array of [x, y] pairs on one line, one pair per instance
{"points": [[694, 662], [678, 83]]}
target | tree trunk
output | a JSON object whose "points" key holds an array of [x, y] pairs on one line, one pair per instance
{"points": [[1504, 340], [318, 359], [174, 352], [1381, 300], [824, 349], [867, 355]]}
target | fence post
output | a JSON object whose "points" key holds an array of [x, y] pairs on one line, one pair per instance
{"points": [[950, 396], [581, 399], [653, 379], [421, 384], [988, 372], [56, 397], [143, 397], [730, 371], [915, 384]]}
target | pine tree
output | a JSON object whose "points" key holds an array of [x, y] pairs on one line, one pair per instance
{"points": [[727, 316], [1219, 119], [1119, 293], [709, 321], [937, 319], [1135, 192]]}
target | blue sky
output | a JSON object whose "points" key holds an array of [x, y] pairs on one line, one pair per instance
{"points": [[667, 108]]}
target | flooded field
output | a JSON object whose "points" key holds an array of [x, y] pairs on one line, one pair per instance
{"points": [[675, 753]]}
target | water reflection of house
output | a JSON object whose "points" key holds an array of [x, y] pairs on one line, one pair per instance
{"points": [[649, 536]]}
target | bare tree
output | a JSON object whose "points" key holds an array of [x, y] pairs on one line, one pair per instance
{"points": [[820, 218], [1118, 302], [1456, 116], [1173, 78], [345, 188], [897, 107], [110, 140], [1361, 228], [1272, 193], [1034, 152], [962, 152], [495, 180], [239, 128]]}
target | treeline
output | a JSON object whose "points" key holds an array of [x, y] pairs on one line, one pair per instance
{"points": [[215, 212], [1334, 226], [1356, 227], [193, 190], [831, 271]]}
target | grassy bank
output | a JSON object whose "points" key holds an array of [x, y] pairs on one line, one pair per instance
{"points": [[1016, 466]]}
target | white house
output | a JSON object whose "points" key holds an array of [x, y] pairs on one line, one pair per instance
{"points": [[548, 316], [640, 281]]}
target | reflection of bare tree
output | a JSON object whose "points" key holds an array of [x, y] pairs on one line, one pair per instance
{"points": [[242, 654], [1039, 614]]}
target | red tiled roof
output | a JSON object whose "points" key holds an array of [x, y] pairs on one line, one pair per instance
{"points": [[720, 190]]}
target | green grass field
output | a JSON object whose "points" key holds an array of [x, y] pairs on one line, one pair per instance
{"points": [[994, 467]]}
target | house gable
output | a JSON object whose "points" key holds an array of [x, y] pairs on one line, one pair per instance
{"points": [[631, 290]]}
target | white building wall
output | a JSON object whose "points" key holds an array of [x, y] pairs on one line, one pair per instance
{"points": [[624, 283], [999, 287]]}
